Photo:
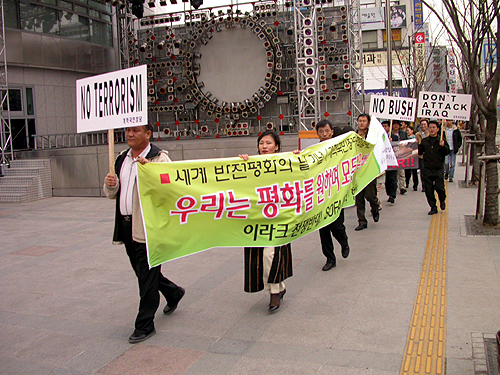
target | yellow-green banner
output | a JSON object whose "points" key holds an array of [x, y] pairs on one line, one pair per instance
{"points": [[268, 200]]}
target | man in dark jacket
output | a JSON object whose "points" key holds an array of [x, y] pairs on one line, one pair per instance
{"points": [[434, 150]]}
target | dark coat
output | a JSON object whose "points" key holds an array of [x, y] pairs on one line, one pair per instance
{"points": [[433, 153]]}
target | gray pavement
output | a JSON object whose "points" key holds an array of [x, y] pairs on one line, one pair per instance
{"points": [[69, 298]]}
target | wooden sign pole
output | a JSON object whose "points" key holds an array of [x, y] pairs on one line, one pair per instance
{"points": [[111, 151], [390, 130]]}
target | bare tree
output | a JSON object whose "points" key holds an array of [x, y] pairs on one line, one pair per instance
{"points": [[472, 24]]}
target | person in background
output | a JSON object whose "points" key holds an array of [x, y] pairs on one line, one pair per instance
{"points": [[337, 227], [434, 150], [399, 135], [409, 173], [266, 268], [370, 191], [129, 229], [391, 175], [421, 134], [454, 139]]}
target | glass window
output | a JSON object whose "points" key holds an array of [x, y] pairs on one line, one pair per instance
{"points": [[39, 19], [106, 17], [101, 33], [82, 1], [93, 13], [100, 6], [30, 109], [74, 26], [65, 5], [10, 8], [50, 2], [15, 100], [80, 9]]}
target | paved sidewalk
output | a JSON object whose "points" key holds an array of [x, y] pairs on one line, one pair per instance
{"points": [[69, 298]]}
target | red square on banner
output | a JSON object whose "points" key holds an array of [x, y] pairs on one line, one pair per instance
{"points": [[165, 178], [419, 38]]}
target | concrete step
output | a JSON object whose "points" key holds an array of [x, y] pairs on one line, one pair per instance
{"points": [[10, 189], [13, 198], [17, 180]]}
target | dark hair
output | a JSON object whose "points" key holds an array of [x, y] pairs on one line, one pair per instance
{"points": [[149, 127], [272, 134], [337, 130], [346, 129], [324, 123], [424, 119], [385, 122], [364, 115], [396, 122], [435, 122]]}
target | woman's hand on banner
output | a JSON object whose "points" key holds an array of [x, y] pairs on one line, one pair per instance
{"points": [[296, 152], [244, 156]]}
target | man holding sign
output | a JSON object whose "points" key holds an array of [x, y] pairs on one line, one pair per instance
{"points": [[434, 149], [129, 229]]}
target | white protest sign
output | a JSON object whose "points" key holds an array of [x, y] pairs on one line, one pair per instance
{"points": [[442, 105], [112, 100], [393, 107]]}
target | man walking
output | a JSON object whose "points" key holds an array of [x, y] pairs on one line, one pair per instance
{"points": [[454, 139], [370, 191], [434, 150], [129, 229], [337, 228]]}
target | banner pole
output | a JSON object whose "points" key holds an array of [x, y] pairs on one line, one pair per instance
{"points": [[442, 129], [390, 130], [111, 151]]}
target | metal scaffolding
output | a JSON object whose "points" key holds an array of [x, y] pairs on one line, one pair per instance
{"points": [[6, 149], [355, 55]]}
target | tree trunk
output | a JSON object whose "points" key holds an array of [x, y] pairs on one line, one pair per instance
{"points": [[491, 201], [475, 150]]}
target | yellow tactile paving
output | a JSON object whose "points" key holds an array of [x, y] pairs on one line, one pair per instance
{"points": [[425, 350]]}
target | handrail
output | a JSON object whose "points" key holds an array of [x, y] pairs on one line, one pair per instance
{"points": [[469, 156], [66, 140]]}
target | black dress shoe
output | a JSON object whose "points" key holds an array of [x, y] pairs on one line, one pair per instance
{"points": [[274, 304], [282, 294], [443, 206], [376, 216], [328, 266], [361, 227], [432, 212], [402, 191], [345, 251], [169, 309], [415, 188], [139, 337], [390, 200]]}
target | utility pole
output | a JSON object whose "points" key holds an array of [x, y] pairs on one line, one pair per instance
{"points": [[388, 32]]}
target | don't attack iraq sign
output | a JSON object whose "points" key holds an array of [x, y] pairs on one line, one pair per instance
{"points": [[440, 105], [393, 107], [112, 100]]}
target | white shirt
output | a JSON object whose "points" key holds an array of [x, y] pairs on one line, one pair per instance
{"points": [[128, 177]]}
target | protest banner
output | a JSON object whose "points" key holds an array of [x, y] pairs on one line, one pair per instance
{"points": [[393, 107], [440, 105], [269, 200], [406, 153], [111, 101]]}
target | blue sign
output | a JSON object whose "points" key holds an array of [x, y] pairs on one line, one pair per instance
{"points": [[401, 92], [490, 53], [418, 14]]}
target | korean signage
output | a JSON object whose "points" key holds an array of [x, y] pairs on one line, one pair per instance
{"points": [[418, 14], [420, 56], [452, 72], [393, 107], [441, 105], [112, 100], [268, 200], [379, 58]]}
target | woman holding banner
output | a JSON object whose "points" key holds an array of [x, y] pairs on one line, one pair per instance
{"points": [[267, 267]]}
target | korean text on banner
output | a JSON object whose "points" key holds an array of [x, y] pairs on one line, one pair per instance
{"points": [[441, 105], [268, 200], [112, 100], [393, 107]]}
